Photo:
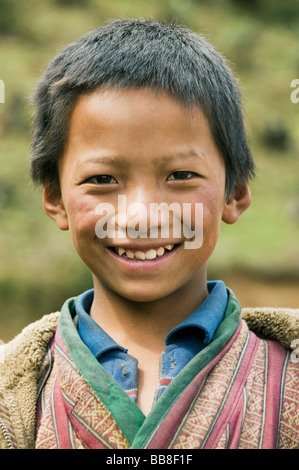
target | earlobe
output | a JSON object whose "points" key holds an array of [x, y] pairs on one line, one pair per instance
{"points": [[54, 208], [237, 204]]}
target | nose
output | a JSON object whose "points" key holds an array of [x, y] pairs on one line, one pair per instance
{"points": [[134, 213], [145, 214]]}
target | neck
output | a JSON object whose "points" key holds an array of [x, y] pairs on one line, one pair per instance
{"points": [[145, 324]]}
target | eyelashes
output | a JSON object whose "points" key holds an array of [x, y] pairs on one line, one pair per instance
{"points": [[101, 179], [109, 179], [181, 175]]}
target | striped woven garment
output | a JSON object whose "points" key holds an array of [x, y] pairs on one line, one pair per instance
{"points": [[239, 392]]}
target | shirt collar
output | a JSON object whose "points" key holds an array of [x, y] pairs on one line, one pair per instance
{"points": [[208, 316], [205, 319], [92, 335]]}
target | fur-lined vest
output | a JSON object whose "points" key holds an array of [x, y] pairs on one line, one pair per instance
{"points": [[241, 391]]}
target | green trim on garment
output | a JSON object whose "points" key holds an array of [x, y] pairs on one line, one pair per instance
{"points": [[222, 335], [125, 412], [137, 428]]}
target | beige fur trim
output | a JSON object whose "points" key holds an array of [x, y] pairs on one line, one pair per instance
{"points": [[20, 362], [279, 324]]}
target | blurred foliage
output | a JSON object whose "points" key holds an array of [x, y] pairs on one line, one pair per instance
{"points": [[71, 3], [38, 268], [271, 10], [10, 21]]}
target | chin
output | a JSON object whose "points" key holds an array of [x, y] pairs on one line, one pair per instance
{"points": [[143, 295]]}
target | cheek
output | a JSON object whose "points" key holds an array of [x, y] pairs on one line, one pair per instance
{"points": [[82, 217], [211, 229], [211, 222], [207, 209]]}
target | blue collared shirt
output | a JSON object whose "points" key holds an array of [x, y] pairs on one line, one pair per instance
{"points": [[182, 343]]}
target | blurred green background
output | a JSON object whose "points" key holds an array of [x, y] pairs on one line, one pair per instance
{"points": [[259, 256]]}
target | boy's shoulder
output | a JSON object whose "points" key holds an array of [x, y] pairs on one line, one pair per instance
{"points": [[27, 350], [278, 324], [20, 364]]}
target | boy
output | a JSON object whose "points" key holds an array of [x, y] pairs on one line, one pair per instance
{"points": [[134, 115]]}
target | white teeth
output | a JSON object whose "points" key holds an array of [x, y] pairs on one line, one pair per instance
{"points": [[130, 254], [169, 247], [160, 251], [151, 254], [141, 255]]}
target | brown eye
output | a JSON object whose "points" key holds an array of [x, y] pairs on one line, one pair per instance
{"points": [[181, 175], [101, 179]]}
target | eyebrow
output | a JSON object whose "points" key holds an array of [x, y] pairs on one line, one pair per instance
{"points": [[102, 160], [185, 155], [98, 159], [164, 159]]}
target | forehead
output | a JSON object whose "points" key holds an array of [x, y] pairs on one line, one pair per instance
{"points": [[138, 124], [122, 107]]}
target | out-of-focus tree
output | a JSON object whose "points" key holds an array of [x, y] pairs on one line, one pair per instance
{"points": [[271, 10], [70, 3], [9, 17]]}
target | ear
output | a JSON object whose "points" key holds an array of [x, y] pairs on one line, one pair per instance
{"points": [[237, 204], [54, 208]]}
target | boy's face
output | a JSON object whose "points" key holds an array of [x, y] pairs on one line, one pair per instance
{"points": [[136, 147]]}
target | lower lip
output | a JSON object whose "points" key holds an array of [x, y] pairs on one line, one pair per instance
{"points": [[138, 265]]}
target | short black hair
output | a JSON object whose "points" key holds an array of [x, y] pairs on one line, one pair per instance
{"points": [[134, 53]]}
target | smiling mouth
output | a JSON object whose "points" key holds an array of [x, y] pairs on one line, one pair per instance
{"points": [[145, 255]]}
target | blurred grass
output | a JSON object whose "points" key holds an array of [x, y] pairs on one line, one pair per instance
{"points": [[38, 267]]}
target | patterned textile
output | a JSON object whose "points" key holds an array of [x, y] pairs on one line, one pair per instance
{"points": [[70, 415], [240, 395]]}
